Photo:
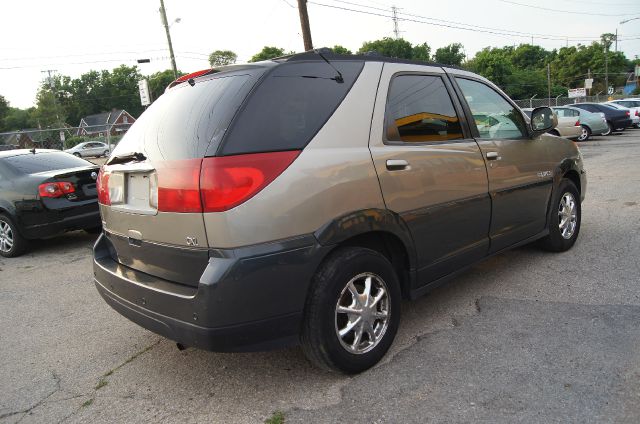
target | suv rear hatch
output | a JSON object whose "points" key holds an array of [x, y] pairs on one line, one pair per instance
{"points": [[149, 188]]}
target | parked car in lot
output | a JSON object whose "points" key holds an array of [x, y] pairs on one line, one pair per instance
{"points": [[634, 112], [44, 193], [89, 149], [299, 200], [617, 120], [590, 123], [568, 125]]}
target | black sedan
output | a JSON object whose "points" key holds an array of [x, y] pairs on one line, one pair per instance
{"points": [[44, 193], [617, 119]]}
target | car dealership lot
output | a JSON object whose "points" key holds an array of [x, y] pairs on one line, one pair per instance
{"points": [[525, 336]]}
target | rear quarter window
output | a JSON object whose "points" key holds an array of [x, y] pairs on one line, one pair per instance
{"points": [[289, 107]]}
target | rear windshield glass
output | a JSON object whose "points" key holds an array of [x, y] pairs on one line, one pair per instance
{"points": [[290, 106], [42, 162], [182, 122]]}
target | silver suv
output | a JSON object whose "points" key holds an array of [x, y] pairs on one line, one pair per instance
{"points": [[299, 200]]}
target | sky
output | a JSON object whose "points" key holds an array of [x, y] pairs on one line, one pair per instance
{"points": [[71, 37]]}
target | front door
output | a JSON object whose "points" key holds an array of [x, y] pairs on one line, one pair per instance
{"points": [[520, 171], [431, 171]]}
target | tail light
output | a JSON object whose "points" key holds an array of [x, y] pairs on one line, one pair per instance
{"points": [[102, 186], [637, 114], [628, 114], [56, 189], [228, 181], [577, 124], [216, 184]]}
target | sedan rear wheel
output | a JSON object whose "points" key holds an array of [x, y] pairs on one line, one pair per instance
{"points": [[609, 129], [584, 134], [11, 242]]}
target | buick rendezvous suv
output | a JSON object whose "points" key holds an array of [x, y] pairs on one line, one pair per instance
{"points": [[299, 200]]}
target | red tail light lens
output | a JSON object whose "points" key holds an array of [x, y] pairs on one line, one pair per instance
{"points": [[228, 181], [102, 186], [637, 114], [577, 124], [628, 114], [179, 186], [56, 189]]}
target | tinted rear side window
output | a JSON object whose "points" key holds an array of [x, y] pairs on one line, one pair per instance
{"points": [[42, 162], [182, 122], [419, 109], [289, 107]]}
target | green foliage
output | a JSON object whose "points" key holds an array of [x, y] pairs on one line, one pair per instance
{"points": [[338, 49], [48, 111], [276, 418], [421, 52], [390, 47], [267, 53], [453, 54], [18, 119], [636, 91], [222, 57], [74, 140], [4, 111], [159, 81]]}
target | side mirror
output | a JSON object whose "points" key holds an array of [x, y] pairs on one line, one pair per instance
{"points": [[542, 120]]}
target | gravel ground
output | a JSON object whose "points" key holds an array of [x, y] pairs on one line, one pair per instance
{"points": [[526, 336]]}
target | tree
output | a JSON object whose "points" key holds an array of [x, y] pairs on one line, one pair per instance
{"points": [[4, 111], [267, 53], [453, 54], [338, 49], [494, 64], [18, 119], [421, 52], [48, 112], [222, 58], [390, 47], [159, 81]]}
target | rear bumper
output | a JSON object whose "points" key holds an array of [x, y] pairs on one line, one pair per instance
{"points": [[247, 299], [45, 223], [622, 123]]}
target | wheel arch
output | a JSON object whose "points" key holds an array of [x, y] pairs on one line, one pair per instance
{"points": [[379, 230]]}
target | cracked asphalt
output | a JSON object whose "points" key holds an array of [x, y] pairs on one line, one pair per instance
{"points": [[526, 336]]}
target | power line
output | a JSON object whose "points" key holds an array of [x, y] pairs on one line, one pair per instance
{"points": [[453, 25], [564, 11]]}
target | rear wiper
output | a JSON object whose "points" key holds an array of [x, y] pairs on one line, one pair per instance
{"points": [[338, 78], [129, 157]]}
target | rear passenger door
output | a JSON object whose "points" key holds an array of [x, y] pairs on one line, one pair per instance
{"points": [[519, 168], [431, 171]]}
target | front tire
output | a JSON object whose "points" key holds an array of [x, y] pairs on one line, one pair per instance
{"points": [[585, 133], [352, 311], [566, 216], [12, 244]]}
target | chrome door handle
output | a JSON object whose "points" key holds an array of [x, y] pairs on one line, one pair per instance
{"points": [[397, 164], [493, 156]]}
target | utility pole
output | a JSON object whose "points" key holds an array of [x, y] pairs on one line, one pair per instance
{"points": [[163, 14], [54, 92], [304, 23], [549, 83], [588, 77], [606, 68], [396, 29]]}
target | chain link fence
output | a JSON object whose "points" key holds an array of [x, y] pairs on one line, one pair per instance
{"points": [[62, 138], [566, 101]]}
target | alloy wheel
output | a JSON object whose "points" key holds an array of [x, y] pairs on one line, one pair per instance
{"points": [[584, 134], [362, 313], [567, 215], [6, 237]]}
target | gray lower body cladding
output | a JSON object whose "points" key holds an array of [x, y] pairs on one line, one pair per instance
{"points": [[250, 298]]}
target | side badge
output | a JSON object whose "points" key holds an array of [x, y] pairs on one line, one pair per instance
{"points": [[192, 241]]}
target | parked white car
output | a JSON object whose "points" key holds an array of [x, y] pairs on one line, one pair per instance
{"points": [[89, 148]]}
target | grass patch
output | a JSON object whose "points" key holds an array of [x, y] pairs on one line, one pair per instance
{"points": [[87, 403], [101, 384], [276, 418]]}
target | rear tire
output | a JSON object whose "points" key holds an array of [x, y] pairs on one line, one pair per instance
{"points": [[76, 154], [585, 134], [12, 244], [609, 129], [566, 216], [352, 311], [106, 153]]}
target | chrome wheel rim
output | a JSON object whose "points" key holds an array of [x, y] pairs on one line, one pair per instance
{"points": [[584, 134], [6, 237], [362, 313], [567, 215]]}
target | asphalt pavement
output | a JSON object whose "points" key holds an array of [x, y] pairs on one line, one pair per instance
{"points": [[526, 336]]}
